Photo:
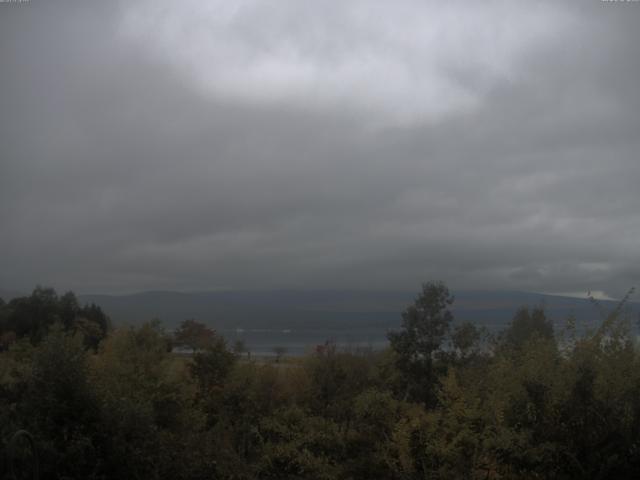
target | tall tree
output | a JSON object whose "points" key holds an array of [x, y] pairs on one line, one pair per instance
{"points": [[211, 366], [34, 315], [425, 325], [527, 324], [194, 335]]}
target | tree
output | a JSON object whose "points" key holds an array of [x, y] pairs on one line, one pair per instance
{"points": [[194, 334], [211, 366], [527, 324], [149, 424], [467, 342], [62, 407], [34, 315], [425, 325], [93, 323]]}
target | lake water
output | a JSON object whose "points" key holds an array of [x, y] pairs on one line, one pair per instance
{"points": [[300, 341], [262, 342]]}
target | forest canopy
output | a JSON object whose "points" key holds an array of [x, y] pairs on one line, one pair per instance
{"points": [[444, 400]]}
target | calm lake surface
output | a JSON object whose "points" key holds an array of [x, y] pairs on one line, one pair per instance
{"points": [[262, 342], [300, 341]]}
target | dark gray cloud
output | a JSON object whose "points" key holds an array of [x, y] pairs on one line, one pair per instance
{"points": [[197, 145]]}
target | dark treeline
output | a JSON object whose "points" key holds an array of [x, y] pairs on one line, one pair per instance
{"points": [[445, 400]]}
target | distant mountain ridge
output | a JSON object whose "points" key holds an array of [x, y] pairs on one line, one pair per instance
{"points": [[300, 320], [335, 309]]}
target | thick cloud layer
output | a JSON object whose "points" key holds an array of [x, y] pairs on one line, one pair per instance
{"points": [[352, 144]]}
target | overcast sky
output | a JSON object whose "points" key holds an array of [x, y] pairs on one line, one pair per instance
{"points": [[195, 145]]}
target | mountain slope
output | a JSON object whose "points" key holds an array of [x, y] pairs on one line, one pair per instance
{"points": [[288, 309]]}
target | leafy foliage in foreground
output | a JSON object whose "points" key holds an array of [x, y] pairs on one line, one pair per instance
{"points": [[444, 401]]}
